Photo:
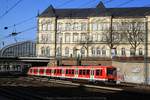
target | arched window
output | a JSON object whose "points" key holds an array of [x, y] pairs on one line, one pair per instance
{"points": [[49, 26], [93, 51], [94, 26], [47, 51], [82, 52], [44, 25], [68, 26], [140, 51], [123, 51], [66, 51], [103, 52], [98, 51], [75, 27], [42, 51]]}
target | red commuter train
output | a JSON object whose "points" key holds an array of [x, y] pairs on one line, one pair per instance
{"points": [[89, 73]]}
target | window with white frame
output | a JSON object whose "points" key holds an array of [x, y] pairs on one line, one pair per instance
{"points": [[44, 26], [47, 51], [49, 26], [140, 51], [103, 52], [59, 37], [75, 37], [99, 37], [67, 51], [59, 26], [132, 52], [45, 38], [83, 26], [98, 51], [67, 38], [75, 26], [42, 51], [94, 26], [83, 36], [94, 37], [93, 51], [123, 51], [68, 26]]}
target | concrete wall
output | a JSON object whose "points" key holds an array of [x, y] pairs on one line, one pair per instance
{"points": [[132, 72]]}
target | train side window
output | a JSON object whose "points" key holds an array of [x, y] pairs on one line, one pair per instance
{"points": [[60, 71], [30, 70], [35, 70], [83, 72], [66, 71], [41, 71], [55, 71], [80, 72], [98, 72], [72, 71], [88, 72], [48, 71]]}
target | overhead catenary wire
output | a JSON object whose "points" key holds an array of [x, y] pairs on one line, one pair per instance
{"points": [[11, 8], [124, 3]]}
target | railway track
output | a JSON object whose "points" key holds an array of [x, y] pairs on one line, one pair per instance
{"points": [[16, 94]]}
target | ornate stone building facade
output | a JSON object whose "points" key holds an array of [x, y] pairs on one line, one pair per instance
{"points": [[93, 32]]}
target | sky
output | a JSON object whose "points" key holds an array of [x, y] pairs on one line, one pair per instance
{"points": [[14, 17]]}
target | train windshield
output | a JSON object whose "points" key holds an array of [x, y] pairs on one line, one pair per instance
{"points": [[111, 71]]}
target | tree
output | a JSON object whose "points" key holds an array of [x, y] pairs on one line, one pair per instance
{"points": [[134, 31], [86, 42], [112, 36]]}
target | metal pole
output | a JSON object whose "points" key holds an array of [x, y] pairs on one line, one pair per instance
{"points": [[146, 69]]}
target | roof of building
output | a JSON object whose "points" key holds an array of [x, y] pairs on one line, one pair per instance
{"points": [[100, 10]]}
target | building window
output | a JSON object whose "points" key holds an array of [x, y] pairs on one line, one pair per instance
{"points": [[49, 26], [104, 37], [66, 51], [83, 36], [140, 51], [98, 51], [68, 26], [123, 51], [82, 52], [47, 51], [75, 26], [44, 27], [83, 26], [75, 37], [94, 26], [132, 52], [45, 38], [93, 51], [103, 52], [59, 26], [67, 38], [99, 37], [94, 37], [42, 51]]}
